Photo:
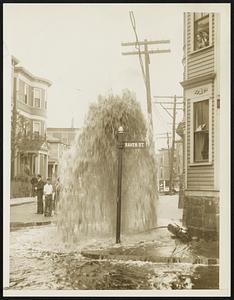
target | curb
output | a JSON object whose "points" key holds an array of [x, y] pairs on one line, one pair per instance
{"points": [[154, 259], [21, 203], [18, 225]]}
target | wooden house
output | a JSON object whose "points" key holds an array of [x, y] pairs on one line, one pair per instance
{"points": [[202, 102]]}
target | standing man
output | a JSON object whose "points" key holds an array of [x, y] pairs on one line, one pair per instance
{"points": [[34, 183], [57, 194], [48, 192], [39, 188]]}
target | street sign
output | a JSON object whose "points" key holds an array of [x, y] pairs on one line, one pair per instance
{"points": [[134, 145], [123, 145]]}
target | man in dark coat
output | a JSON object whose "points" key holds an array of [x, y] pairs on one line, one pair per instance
{"points": [[34, 184], [39, 188]]}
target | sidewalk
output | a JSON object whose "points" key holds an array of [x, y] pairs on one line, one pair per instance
{"points": [[23, 213], [20, 201]]}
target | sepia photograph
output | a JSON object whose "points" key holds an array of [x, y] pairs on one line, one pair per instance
{"points": [[116, 149]]}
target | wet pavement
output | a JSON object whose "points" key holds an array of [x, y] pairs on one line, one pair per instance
{"points": [[144, 261], [39, 261]]}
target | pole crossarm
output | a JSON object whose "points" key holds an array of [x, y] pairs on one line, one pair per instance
{"points": [[146, 42], [144, 52], [163, 137], [145, 68]]}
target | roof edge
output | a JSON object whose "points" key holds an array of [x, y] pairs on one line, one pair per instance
{"points": [[33, 77]]}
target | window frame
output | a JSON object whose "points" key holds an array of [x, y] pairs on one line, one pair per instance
{"points": [[34, 98], [192, 129], [161, 172], [37, 122], [45, 99], [193, 50], [26, 89]]}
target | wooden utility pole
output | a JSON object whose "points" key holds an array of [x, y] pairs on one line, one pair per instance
{"points": [[172, 148], [148, 90], [145, 69], [173, 116], [169, 156]]}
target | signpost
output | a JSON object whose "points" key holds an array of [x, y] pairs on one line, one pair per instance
{"points": [[123, 145]]}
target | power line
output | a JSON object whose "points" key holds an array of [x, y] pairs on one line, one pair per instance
{"points": [[161, 117], [137, 44], [173, 147], [144, 68], [163, 137], [162, 133]]}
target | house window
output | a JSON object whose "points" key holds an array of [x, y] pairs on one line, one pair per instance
{"points": [[201, 130], [45, 98], [36, 129], [201, 30], [26, 93], [37, 98]]}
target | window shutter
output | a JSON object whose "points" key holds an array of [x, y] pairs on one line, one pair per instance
{"points": [[31, 95]]}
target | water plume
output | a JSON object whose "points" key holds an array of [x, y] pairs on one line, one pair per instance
{"points": [[88, 174]]}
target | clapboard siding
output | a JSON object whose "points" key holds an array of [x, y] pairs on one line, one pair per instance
{"points": [[199, 62], [201, 55], [188, 130], [200, 177], [31, 110], [202, 64], [200, 72]]}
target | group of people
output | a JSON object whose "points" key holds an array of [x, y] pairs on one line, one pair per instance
{"points": [[46, 192]]}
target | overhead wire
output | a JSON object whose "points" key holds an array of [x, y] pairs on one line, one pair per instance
{"points": [[162, 119], [137, 45]]}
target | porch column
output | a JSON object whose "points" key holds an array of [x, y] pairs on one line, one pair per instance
{"points": [[38, 163], [46, 165], [53, 171]]}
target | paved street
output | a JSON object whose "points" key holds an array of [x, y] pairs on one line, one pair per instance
{"points": [[26, 212], [149, 260], [168, 210]]}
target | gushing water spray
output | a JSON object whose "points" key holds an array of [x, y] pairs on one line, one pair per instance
{"points": [[88, 174]]}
